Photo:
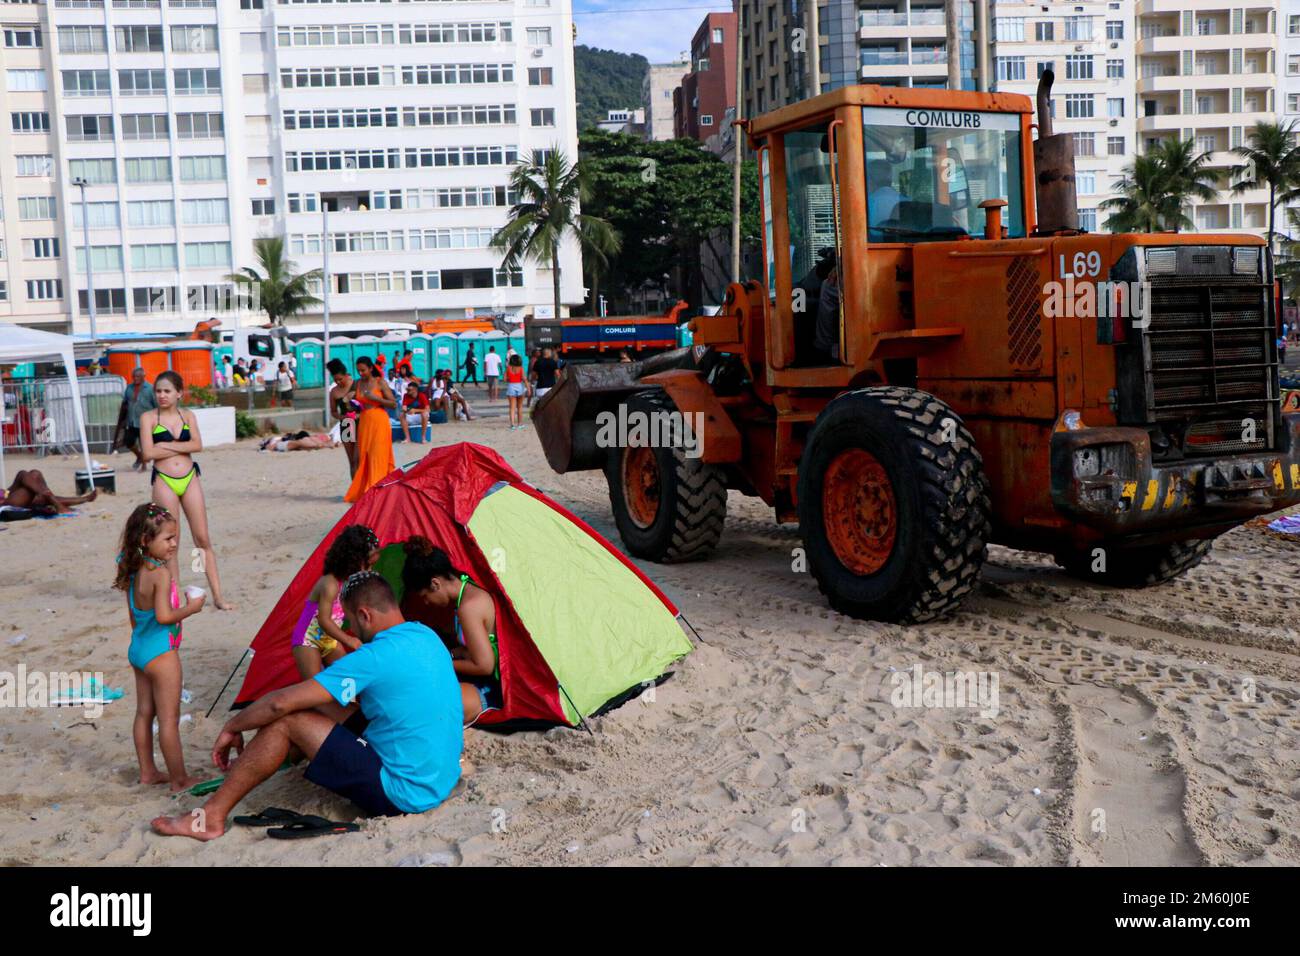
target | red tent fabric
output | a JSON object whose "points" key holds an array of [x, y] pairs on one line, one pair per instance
{"points": [[435, 498]]}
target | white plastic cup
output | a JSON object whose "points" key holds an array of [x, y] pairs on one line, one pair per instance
{"points": [[193, 592]]}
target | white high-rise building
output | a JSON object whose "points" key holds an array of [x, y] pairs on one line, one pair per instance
{"points": [[1089, 48], [200, 125]]}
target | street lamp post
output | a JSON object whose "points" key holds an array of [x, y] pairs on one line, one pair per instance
{"points": [[81, 184], [325, 301]]}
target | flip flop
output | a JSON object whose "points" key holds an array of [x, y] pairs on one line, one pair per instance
{"points": [[270, 817], [307, 826]]}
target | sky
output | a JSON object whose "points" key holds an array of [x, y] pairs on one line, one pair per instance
{"points": [[660, 30]]}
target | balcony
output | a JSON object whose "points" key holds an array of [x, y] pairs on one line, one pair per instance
{"points": [[885, 24]]}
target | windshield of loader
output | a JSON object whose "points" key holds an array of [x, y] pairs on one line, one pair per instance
{"points": [[928, 170]]}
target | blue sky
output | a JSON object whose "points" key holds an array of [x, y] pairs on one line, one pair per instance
{"points": [[657, 29]]}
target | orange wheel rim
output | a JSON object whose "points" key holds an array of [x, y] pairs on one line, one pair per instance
{"points": [[859, 511], [641, 485]]}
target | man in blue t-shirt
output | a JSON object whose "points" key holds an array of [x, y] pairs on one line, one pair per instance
{"points": [[404, 758]]}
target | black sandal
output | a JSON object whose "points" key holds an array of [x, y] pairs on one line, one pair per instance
{"points": [[270, 817], [309, 826]]}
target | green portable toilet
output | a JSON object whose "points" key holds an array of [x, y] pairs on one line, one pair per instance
{"points": [[464, 342], [497, 340], [444, 351], [392, 350], [516, 342], [684, 336], [421, 347], [363, 346], [341, 349], [310, 354]]}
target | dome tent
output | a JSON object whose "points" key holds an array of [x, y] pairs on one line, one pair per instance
{"points": [[578, 626]]}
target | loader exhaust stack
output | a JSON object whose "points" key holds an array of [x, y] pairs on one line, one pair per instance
{"points": [[1058, 206]]}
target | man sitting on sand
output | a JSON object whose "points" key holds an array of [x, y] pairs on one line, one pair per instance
{"points": [[30, 492], [408, 760]]}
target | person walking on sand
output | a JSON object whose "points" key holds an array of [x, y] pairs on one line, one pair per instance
{"points": [[154, 610], [374, 429], [470, 367], [492, 371], [344, 409], [399, 753], [286, 383], [138, 398], [169, 437]]}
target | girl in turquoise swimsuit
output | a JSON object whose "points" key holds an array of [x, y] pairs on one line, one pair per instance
{"points": [[149, 542], [169, 436], [428, 577]]}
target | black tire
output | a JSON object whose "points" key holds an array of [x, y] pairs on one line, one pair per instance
{"points": [[692, 498], [1134, 567], [941, 503]]}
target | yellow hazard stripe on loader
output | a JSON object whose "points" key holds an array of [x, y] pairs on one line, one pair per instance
{"points": [[1295, 477], [1153, 491], [1171, 493], [1278, 480]]}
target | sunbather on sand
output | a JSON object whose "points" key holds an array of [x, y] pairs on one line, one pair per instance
{"points": [[30, 491], [297, 441]]}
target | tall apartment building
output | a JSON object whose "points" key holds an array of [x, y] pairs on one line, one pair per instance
{"points": [[1208, 73], [1089, 48], [706, 100], [657, 97], [199, 125]]}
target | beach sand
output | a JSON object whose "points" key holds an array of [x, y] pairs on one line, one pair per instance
{"points": [[1152, 727]]}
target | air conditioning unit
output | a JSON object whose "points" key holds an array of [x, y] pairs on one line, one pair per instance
{"points": [[1114, 46], [1078, 48], [1114, 122], [538, 51]]}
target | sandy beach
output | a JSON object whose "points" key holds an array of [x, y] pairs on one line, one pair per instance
{"points": [[1156, 727]]}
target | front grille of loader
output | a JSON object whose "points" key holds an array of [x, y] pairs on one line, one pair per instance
{"points": [[1210, 361]]}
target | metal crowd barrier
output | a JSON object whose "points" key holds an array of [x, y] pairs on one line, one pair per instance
{"points": [[39, 417]]}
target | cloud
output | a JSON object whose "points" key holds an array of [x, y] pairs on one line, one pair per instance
{"points": [[661, 36]]}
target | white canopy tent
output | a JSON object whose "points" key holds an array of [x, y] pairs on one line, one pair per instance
{"points": [[21, 344]]}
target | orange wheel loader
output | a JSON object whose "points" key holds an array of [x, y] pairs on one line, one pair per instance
{"points": [[937, 358]]}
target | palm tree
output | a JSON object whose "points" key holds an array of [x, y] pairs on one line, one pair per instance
{"points": [[1287, 265], [549, 191], [1272, 159], [282, 292], [598, 243], [1187, 176], [1142, 203]]}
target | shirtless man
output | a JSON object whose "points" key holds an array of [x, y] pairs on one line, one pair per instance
{"points": [[29, 490]]}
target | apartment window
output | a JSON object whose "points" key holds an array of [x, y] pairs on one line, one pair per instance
{"points": [[717, 34], [161, 255], [137, 39], [197, 82], [1293, 65], [29, 38], [199, 126], [1114, 29], [154, 298], [27, 81], [539, 36], [1293, 102], [85, 83], [35, 164], [194, 39], [1011, 67], [144, 126], [1115, 69], [207, 255], [45, 248], [1044, 66], [102, 258], [1084, 144], [4, 291], [264, 207], [1078, 28], [1078, 67], [1115, 146], [103, 215], [97, 172], [1086, 182], [255, 83], [142, 82], [203, 169], [1205, 27], [1115, 107], [1044, 31], [1009, 28], [1292, 28], [204, 212], [42, 290], [1078, 105], [544, 117], [35, 208], [251, 4], [148, 169], [152, 212], [540, 76], [30, 121], [1088, 220], [82, 40], [107, 301], [1204, 104], [88, 128], [706, 119]]}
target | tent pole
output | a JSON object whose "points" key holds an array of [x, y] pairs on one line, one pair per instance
{"points": [[238, 664], [70, 364], [692, 627]]}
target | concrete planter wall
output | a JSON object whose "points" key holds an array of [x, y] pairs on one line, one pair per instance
{"points": [[216, 425]]}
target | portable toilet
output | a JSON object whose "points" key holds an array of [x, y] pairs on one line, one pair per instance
{"points": [[219, 353], [498, 341], [421, 347], [310, 355], [684, 336], [516, 342], [341, 349], [125, 359], [192, 361], [444, 351], [465, 342], [392, 350], [363, 346]]}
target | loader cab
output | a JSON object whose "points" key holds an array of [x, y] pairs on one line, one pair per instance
{"points": [[851, 181]]}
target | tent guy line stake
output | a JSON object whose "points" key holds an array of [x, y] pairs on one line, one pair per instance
{"points": [[238, 664], [581, 722], [692, 627]]}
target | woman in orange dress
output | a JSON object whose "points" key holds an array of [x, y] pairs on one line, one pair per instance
{"points": [[374, 430]]}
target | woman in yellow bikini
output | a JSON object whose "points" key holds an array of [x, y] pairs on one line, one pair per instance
{"points": [[169, 436]]}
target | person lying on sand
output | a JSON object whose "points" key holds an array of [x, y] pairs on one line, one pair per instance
{"points": [[30, 491], [400, 753], [297, 441]]}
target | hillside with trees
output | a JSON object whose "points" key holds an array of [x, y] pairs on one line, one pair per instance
{"points": [[606, 80]]}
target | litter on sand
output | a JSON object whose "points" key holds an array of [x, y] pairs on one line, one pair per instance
{"points": [[1288, 524]]}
